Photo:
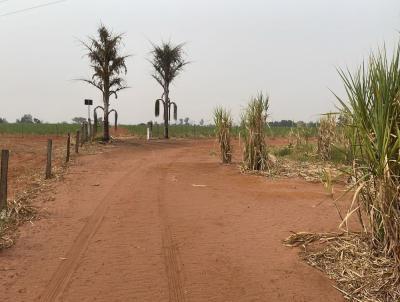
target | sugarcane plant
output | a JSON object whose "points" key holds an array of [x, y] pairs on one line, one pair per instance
{"points": [[254, 123], [223, 127], [104, 53], [345, 136], [372, 104], [95, 118], [168, 61], [326, 135]]}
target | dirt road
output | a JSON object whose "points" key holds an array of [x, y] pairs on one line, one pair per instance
{"points": [[164, 221]]}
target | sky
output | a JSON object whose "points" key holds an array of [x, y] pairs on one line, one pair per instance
{"points": [[289, 49]]}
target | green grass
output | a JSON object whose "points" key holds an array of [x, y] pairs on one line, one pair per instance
{"points": [[38, 129], [302, 153], [177, 131], [182, 131], [308, 153]]}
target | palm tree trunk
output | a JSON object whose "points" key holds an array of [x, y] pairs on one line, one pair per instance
{"points": [[166, 113], [106, 124]]}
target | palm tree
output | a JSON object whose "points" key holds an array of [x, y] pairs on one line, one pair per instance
{"points": [[168, 62], [108, 65]]}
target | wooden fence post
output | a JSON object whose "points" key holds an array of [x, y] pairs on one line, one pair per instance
{"points": [[82, 140], [94, 130], [68, 147], [3, 179], [85, 129], [48, 163], [77, 142], [91, 132], [82, 135]]}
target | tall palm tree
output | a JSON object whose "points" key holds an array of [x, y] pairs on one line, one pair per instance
{"points": [[108, 65], [168, 61]]}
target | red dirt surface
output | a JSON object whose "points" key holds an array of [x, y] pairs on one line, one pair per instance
{"points": [[28, 157], [164, 221]]}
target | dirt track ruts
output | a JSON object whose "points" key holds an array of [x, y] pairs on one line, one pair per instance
{"points": [[67, 267], [164, 221], [170, 248]]}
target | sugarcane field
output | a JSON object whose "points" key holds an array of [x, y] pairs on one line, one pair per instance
{"points": [[200, 151]]}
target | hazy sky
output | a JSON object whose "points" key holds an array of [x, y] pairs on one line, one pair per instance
{"points": [[288, 48]]}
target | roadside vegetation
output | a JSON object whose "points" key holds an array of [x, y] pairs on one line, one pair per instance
{"points": [[175, 130], [326, 136], [223, 128], [366, 264], [254, 122]]}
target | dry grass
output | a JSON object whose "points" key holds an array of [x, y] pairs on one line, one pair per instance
{"points": [[223, 127], [314, 172], [21, 209], [360, 273], [326, 136], [254, 123], [300, 135]]}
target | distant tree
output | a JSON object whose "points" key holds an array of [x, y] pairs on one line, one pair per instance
{"points": [[300, 124], [168, 62], [186, 120], [181, 121], [311, 124], [79, 120], [282, 123], [26, 118], [3, 120], [37, 121], [201, 123], [108, 65]]}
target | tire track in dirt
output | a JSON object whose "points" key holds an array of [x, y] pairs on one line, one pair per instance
{"points": [[170, 248], [64, 272]]}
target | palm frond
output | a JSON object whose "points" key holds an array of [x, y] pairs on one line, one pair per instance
{"points": [[115, 118], [94, 83], [167, 61], [157, 108], [105, 60], [175, 111]]}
